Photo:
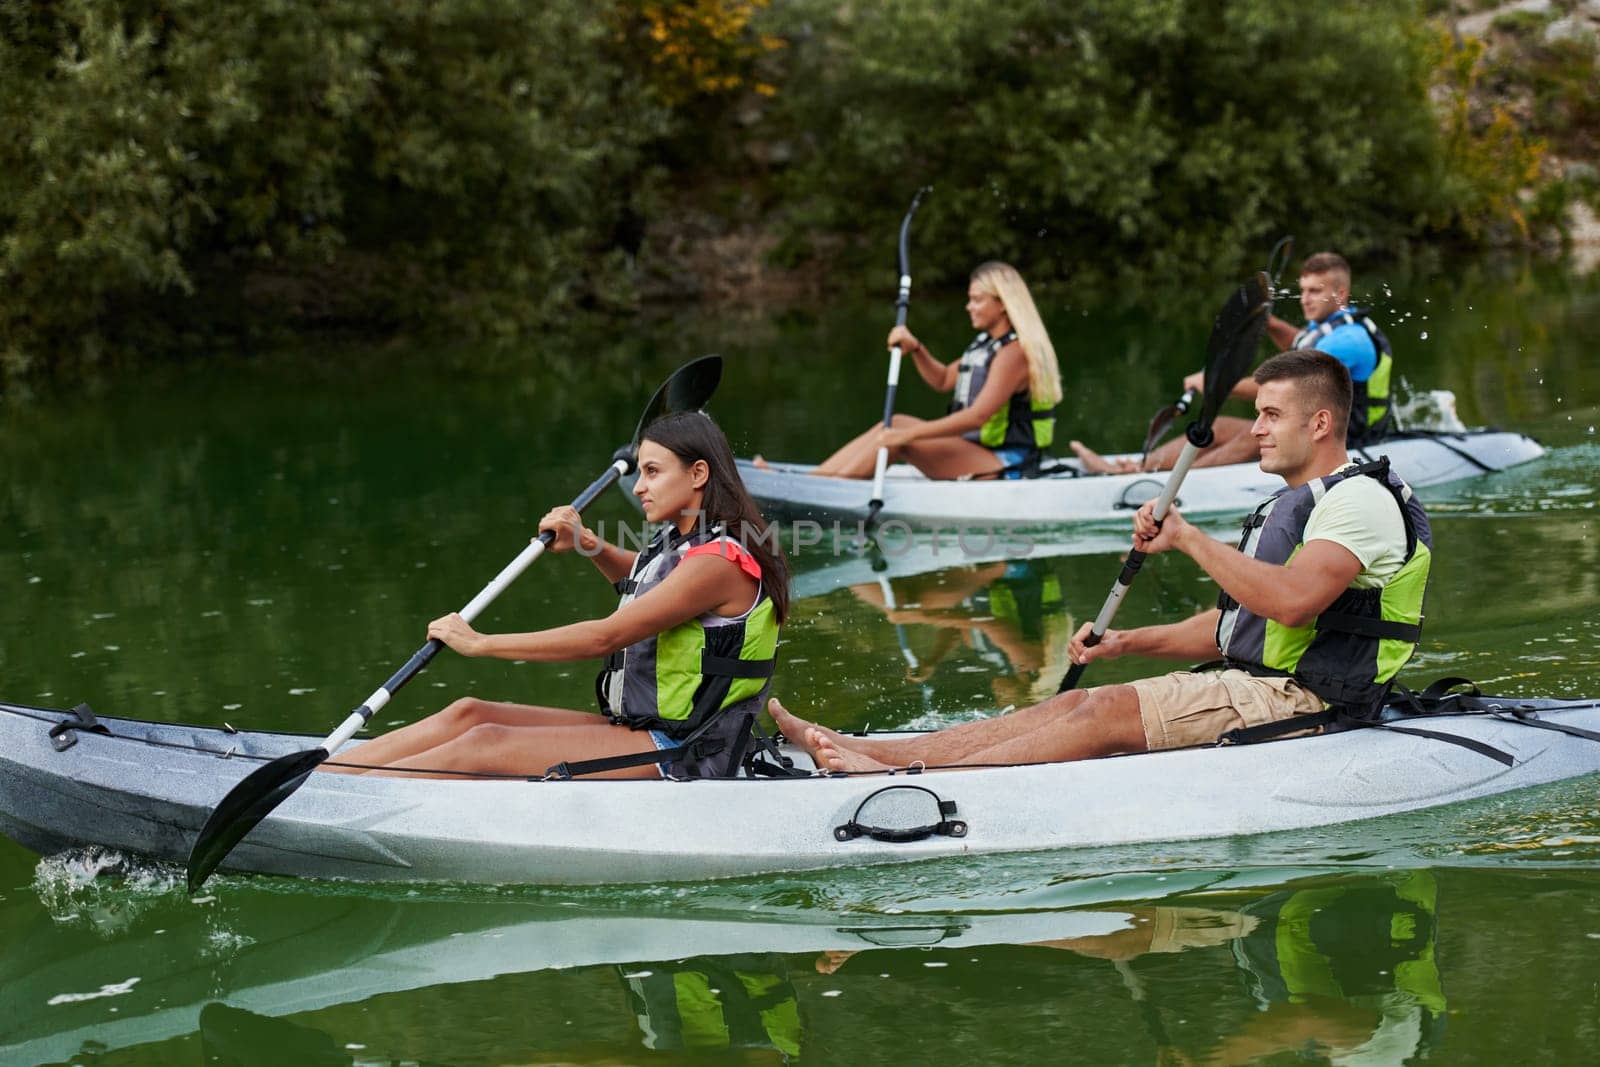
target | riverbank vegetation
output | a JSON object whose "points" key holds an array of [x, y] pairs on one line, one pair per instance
{"points": [[180, 177]]}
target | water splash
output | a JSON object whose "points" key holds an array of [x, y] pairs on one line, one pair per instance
{"points": [[101, 887]]}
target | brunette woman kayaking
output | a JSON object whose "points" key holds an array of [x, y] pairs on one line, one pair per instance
{"points": [[689, 651]]}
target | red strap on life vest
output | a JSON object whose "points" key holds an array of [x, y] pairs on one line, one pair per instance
{"points": [[729, 550]]}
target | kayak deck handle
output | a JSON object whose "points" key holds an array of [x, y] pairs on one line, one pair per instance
{"points": [[899, 813]]}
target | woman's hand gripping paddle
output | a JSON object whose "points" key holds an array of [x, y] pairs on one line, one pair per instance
{"points": [[688, 389], [1229, 353], [901, 304]]}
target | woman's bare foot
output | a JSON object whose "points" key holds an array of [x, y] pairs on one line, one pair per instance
{"points": [[797, 730], [1095, 463], [759, 462], [833, 756]]}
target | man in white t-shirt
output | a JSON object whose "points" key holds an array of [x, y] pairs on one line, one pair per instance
{"points": [[1321, 604]]}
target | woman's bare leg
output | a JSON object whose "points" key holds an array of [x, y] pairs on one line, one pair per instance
{"points": [[859, 458], [495, 748], [952, 457], [1095, 463], [450, 723]]}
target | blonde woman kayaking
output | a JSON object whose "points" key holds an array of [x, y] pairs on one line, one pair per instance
{"points": [[1006, 384]]}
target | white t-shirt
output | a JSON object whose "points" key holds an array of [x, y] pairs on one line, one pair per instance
{"points": [[1362, 515]]}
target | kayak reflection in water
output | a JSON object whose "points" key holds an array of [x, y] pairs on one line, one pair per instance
{"points": [[690, 648], [1011, 615], [1006, 386], [1321, 606]]}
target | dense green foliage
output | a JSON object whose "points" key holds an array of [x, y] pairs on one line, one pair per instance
{"points": [[171, 166], [1118, 140], [177, 176]]}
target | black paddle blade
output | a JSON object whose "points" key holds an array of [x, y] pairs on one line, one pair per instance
{"points": [[1164, 418], [246, 805], [689, 389], [1277, 260], [1235, 335]]}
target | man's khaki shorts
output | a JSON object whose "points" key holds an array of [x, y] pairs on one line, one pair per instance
{"points": [[1186, 708]]}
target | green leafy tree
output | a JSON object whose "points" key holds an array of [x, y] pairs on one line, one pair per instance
{"points": [[174, 171], [1114, 141]]}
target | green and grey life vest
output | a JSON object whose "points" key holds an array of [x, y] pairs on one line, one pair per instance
{"points": [[1019, 422], [1351, 652], [717, 1003], [704, 668], [1371, 412]]}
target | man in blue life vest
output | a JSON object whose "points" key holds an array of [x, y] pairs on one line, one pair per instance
{"points": [[1333, 325], [1320, 606]]}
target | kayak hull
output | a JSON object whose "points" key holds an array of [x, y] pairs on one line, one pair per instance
{"points": [[148, 788], [787, 491]]}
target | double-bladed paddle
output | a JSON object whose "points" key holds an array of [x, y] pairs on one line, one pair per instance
{"points": [[901, 303], [254, 798], [1229, 353]]}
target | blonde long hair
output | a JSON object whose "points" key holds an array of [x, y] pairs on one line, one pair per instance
{"points": [[1001, 280]]}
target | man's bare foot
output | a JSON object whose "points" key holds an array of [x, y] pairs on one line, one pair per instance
{"points": [[1095, 463], [797, 730], [759, 462], [833, 756]]}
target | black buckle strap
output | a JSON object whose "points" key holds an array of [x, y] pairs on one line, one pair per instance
{"points": [[692, 746], [64, 734], [767, 759], [1531, 718], [1468, 743], [1271, 731], [729, 667], [566, 769], [1363, 626]]}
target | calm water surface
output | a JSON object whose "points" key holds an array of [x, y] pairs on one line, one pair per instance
{"points": [[262, 544]]}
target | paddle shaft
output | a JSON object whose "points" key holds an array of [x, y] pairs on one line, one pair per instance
{"points": [[1235, 333], [902, 304], [424, 655], [1135, 560], [889, 604]]}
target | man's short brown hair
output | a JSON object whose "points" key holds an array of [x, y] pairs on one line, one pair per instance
{"points": [[1327, 263], [1320, 380]]}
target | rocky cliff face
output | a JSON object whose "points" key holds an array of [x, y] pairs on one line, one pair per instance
{"points": [[1539, 64]]}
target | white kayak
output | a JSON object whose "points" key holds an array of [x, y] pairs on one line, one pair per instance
{"points": [[787, 491], [148, 787]]}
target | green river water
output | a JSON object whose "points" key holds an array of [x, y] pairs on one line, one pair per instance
{"points": [[261, 543]]}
